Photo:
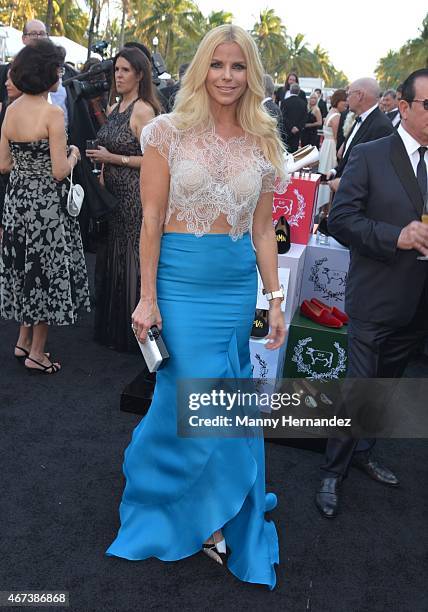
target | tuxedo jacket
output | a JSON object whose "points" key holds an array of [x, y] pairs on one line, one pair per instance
{"points": [[394, 117], [375, 126], [294, 113], [280, 95], [378, 196], [340, 135], [323, 108]]}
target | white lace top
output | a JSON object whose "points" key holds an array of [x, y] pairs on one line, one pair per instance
{"points": [[210, 176]]}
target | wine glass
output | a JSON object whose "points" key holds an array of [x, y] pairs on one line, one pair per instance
{"points": [[424, 219], [94, 144]]}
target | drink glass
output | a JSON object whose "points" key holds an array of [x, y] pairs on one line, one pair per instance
{"points": [[424, 219], [94, 144], [322, 238]]}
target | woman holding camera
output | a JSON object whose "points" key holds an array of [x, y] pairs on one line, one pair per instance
{"points": [[120, 153], [207, 183], [43, 278]]}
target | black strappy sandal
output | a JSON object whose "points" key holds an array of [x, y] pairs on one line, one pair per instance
{"points": [[50, 369], [26, 354]]}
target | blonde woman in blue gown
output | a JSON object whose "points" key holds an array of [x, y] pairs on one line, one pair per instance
{"points": [[207, 184]]}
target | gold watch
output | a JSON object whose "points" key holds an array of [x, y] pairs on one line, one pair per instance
{"points": [[125, 160]]}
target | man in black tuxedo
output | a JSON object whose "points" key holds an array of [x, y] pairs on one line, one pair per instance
{"points": [[370, 122], [271, 107], [390, 103], [321, 104], [377, 212], [294, 114]]}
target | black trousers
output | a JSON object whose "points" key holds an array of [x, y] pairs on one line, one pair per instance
{"points": [[293, 142], [375, 351]]}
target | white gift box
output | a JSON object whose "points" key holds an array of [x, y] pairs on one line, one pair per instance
{"points": [[325, 272], [293, 261], [267, 365]]}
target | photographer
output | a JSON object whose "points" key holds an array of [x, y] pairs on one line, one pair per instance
{"points": [[120, 153]]}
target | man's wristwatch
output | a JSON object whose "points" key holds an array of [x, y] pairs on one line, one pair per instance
{"points": [[274, 294]]}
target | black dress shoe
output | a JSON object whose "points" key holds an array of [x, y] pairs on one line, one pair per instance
{"points": [[327, 498], [368, 464]]}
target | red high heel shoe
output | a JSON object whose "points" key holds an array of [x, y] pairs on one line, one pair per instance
{"points": [[339, 314], [320, 315]]}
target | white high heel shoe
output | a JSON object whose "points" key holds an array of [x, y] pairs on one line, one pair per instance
{"points": [[216, 550]]}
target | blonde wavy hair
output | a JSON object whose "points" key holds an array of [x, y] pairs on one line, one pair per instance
{"points": [[192, 107]]}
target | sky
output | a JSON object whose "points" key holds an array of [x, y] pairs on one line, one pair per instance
{"points": [[355, 36]]}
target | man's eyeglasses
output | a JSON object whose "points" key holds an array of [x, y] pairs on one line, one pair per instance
{"points": [[423, 102], [36, 34]]}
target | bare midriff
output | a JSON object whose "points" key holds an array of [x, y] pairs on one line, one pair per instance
{"points": [[219, 226]]}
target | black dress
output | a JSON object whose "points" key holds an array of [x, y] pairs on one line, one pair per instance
{"points": [[43, 275], [310, 136], [118, 266]]}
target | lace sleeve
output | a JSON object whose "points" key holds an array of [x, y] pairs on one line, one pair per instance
{"points": [[160, 134], [272, 182]]}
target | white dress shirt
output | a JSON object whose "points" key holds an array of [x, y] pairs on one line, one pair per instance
{"points": [[412, 147], [363, 117], [397, 118]]}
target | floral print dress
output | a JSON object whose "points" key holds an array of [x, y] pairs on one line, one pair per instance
{"points": [[43, 276]]}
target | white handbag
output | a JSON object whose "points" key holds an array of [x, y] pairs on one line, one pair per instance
{"points": [[75, 197]]}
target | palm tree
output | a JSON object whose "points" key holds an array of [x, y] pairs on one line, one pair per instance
{"points": [[15, 13], [69, 20], [388, 70], [270, 36], [394, 67], [49, 16], [324, 66], [125, 13], [216, 18], [169, 21], [300, 58], [185, 47]]}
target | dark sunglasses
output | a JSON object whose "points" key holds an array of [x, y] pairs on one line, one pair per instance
{"points": [[423, 102]]}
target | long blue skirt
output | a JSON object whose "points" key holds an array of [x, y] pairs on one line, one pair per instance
{"points": [[180, 490]]}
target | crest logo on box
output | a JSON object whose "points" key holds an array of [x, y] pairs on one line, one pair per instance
{"points": [[293, 209], [284, 207], [263, 367], [328, 281], [319, 364]]}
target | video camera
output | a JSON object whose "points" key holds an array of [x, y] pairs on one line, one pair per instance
{"points": [[98, 79], [92, 83]]}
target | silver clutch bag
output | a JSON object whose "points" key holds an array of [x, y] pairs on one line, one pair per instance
{"points": [[153, 349]]}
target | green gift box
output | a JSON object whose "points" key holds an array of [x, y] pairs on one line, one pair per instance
{"points": [[315, 351]]}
